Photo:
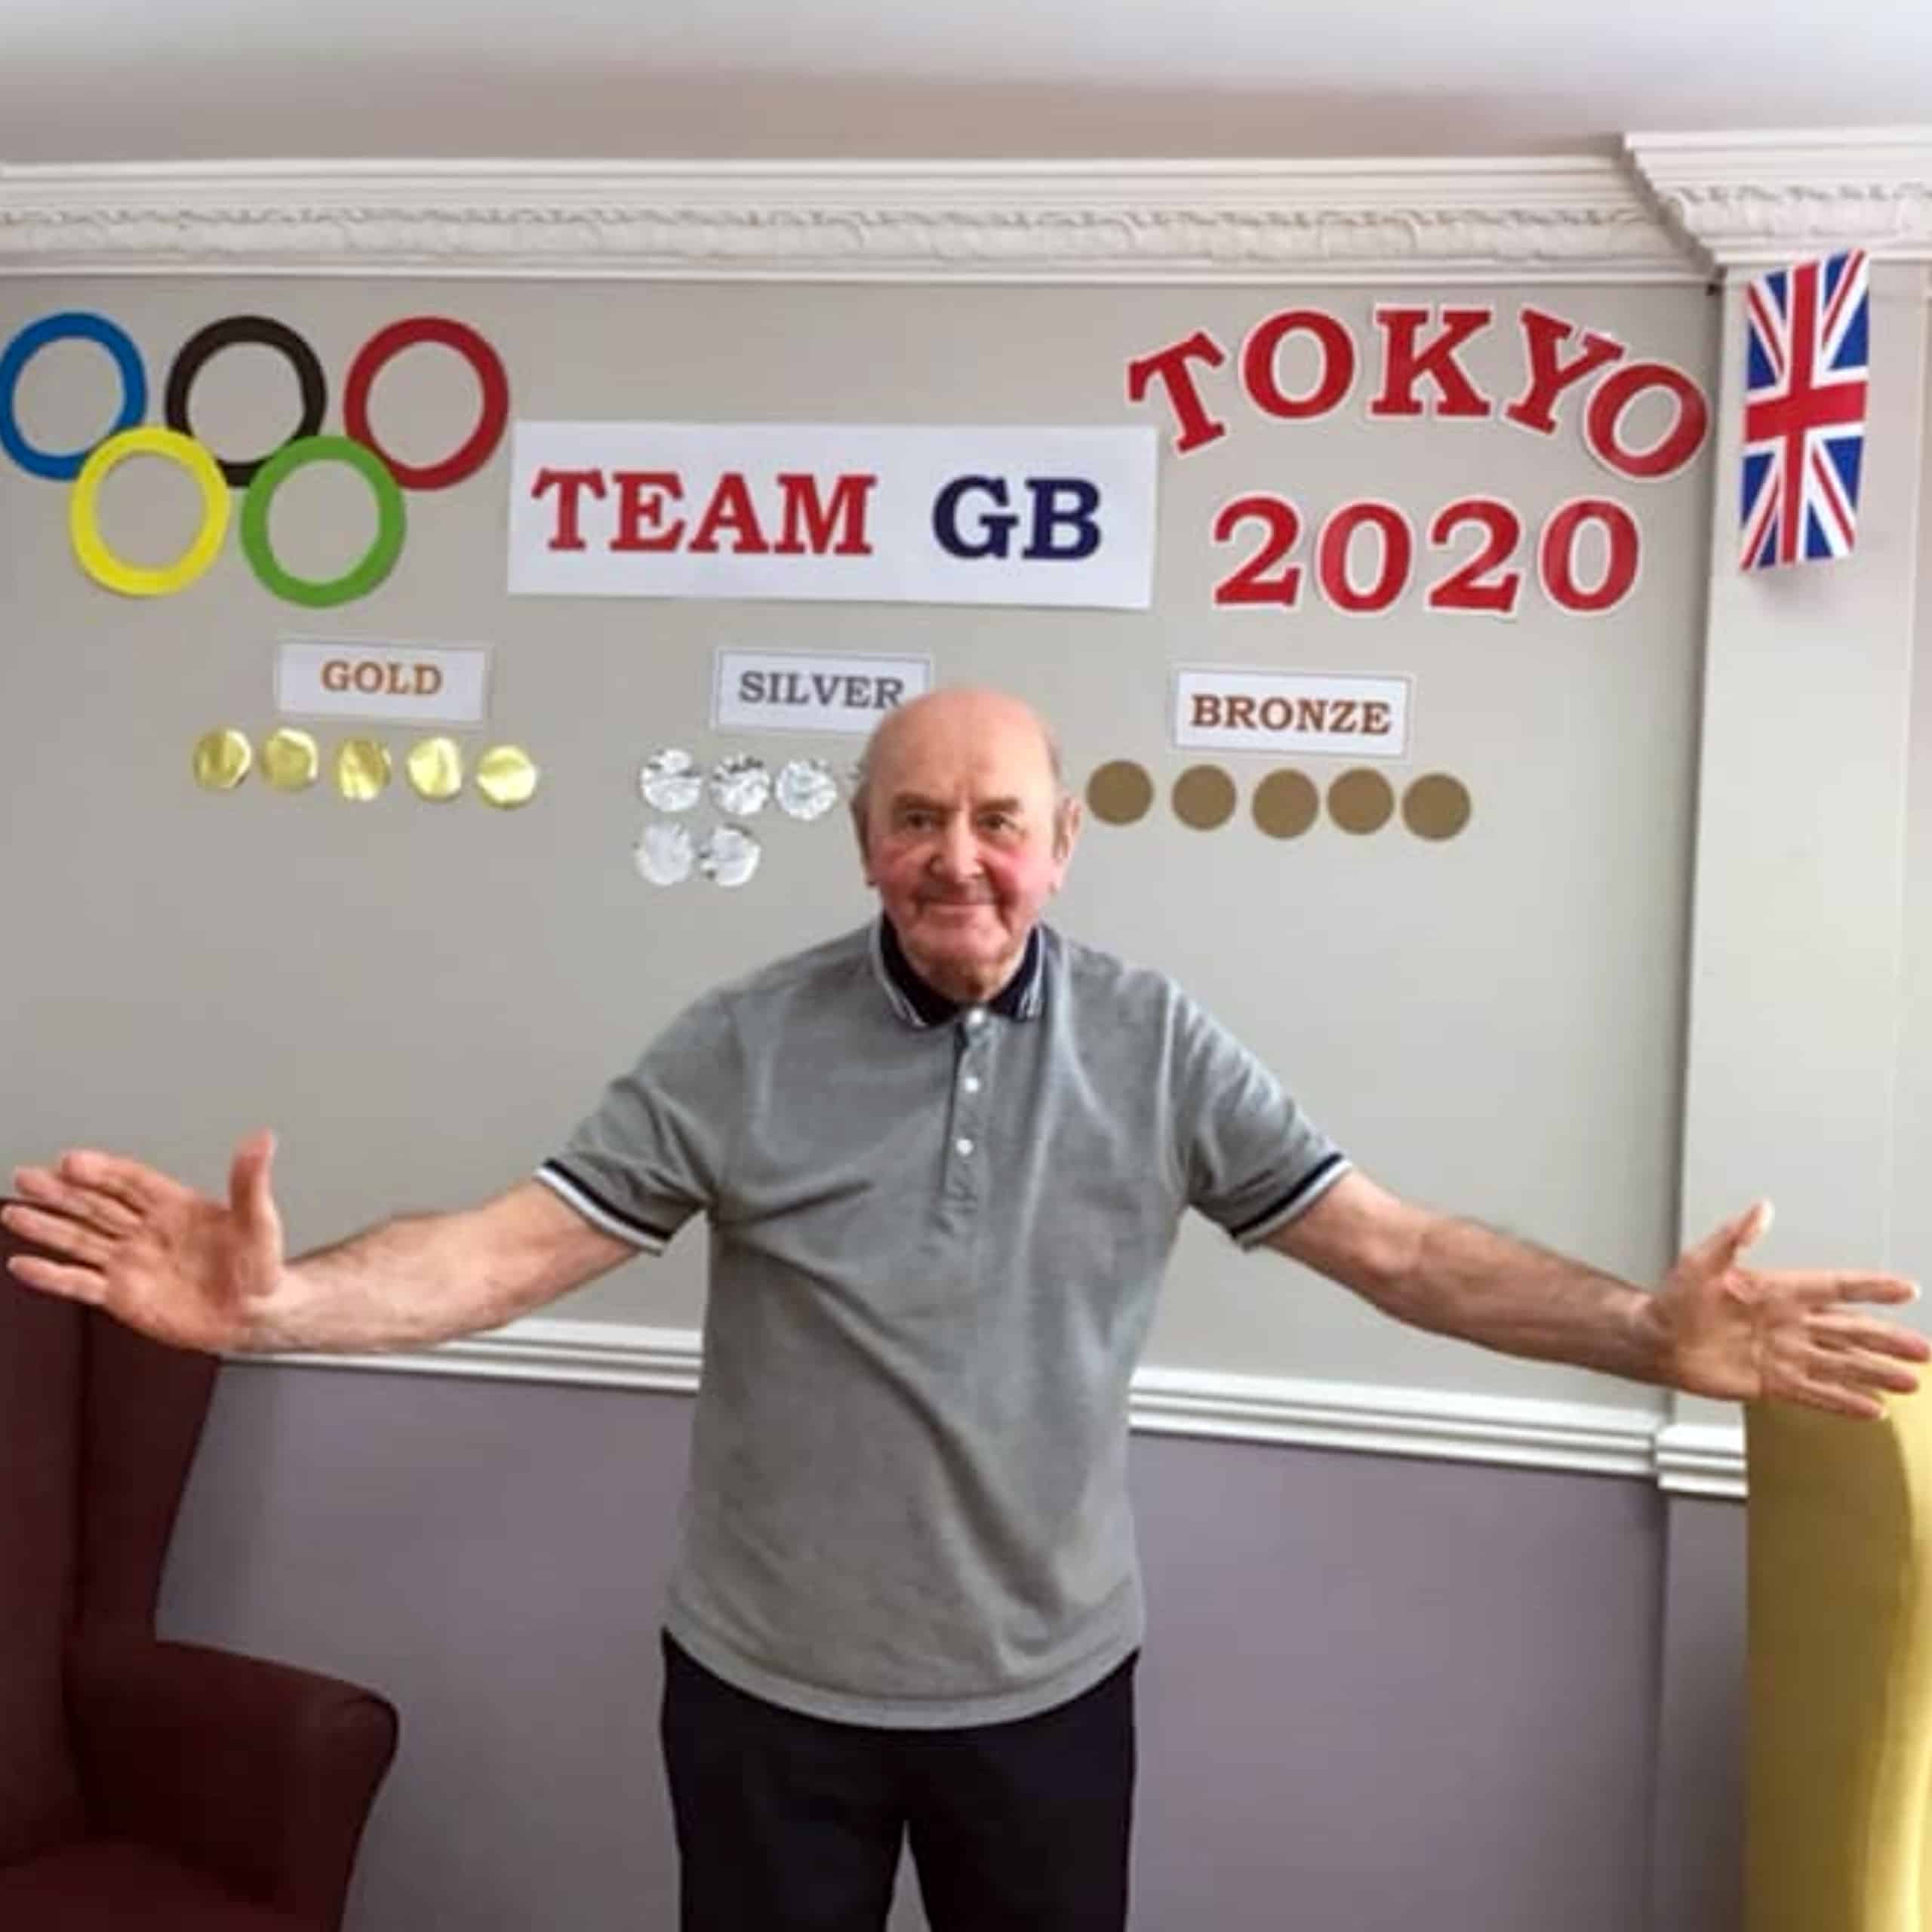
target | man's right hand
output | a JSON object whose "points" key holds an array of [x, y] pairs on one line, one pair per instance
{"points": [[186, 1269]]}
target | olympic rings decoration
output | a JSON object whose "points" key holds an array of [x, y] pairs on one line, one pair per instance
{"points": [[73, 325], [259, 476], [377, 562], [387, 343], [131, 580], [204, 343]]}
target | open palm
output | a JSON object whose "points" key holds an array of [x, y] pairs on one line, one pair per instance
{"points": [[1749, 1334], [179, 1266]]}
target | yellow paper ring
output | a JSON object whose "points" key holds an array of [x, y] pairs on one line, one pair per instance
{"points": [[133, 579]]}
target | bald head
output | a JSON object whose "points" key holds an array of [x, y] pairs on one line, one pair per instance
{"points": [[965, 830], [959, 713]]}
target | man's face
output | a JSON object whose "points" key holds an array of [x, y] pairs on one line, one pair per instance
{"points": [[965, 838]]}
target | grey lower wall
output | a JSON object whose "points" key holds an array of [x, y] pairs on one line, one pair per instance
{"points": [[1698, 1838], [1379, 1693]]}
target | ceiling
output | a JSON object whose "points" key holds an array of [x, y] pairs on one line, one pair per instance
{"points": [[106, 80]]}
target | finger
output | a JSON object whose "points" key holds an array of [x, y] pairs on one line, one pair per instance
{"points": [[54, 1278], [138, 1186], [1814, 1394], [250, 1192], [48, 1190], [1720, 1248], [73, 1240], [1855, 1331], [1819, 1288], [1849, 1370]]}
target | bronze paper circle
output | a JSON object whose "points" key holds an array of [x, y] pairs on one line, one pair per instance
{"points": [[1361, 800], [1204, 797], [1286, 804], [1120, 792], [1436, 806]]}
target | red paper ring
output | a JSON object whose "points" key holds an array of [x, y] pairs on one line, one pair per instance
{"points": [[390, 342], [269, 333]]}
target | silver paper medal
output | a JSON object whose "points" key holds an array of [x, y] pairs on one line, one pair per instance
{"points": [[663, 854], [669, 781], [729, 856], [741, 786], [806, 789]]}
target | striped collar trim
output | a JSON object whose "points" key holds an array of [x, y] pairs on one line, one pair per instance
{"points": [[1021, 998]]}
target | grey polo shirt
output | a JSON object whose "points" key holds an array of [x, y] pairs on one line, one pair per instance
{"points": [[936, 1236]]}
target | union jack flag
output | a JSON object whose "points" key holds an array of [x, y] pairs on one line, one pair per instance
{"points": [[1808, 356]]}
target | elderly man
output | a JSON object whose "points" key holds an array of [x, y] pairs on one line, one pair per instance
{"points": [[943, 1159]]}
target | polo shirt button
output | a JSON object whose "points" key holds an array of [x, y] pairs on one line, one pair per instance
{"points": [[964, 1146], [976, 1016], [971, 1083]]}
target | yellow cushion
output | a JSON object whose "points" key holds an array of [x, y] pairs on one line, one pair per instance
{"points": [[1840, 1726]]}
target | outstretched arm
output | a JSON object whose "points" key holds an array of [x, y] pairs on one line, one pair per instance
{"points": [[1715, 1327], [202, 1273]]}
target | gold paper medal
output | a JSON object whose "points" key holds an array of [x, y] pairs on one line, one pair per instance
{"points": [[361, 769], [290, 761], [506, 776], [436, 768], [222, 759]]}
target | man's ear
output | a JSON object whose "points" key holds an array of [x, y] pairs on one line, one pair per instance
{"points": [[1069, 816], [859, 833]]}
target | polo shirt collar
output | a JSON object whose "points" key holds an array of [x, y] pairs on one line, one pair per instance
{"points": [[920, 1005]]}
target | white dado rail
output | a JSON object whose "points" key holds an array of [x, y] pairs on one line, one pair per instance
{"points": [[1520, 1431]]}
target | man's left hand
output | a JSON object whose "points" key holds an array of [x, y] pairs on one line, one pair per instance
{"points": [[1746, 1334]]}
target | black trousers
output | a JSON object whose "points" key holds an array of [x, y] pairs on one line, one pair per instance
{"points": [[788, 1824]]}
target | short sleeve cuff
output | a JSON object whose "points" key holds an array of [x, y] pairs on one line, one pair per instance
{"points": [[571, 1186], [1292, 1203]]}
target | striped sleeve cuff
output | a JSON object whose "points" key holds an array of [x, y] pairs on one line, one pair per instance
{"points": [[601, 1213], [1296, 1201]]}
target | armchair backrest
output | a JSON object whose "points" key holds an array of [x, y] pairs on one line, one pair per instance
{"points": [[98, 1427], [1839, 1778], [142, 1411], [40, 1481]]}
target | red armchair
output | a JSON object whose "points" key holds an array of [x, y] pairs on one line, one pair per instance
{"points": [[158, 1785]]}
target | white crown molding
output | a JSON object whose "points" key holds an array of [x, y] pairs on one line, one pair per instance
{"points": [[1751, 200], [1438, 1425], [1580, 219]]}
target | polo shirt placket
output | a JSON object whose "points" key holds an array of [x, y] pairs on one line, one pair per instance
{"points": [[966, 1153], [975, 1031]]}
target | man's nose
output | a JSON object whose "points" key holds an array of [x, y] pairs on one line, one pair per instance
{"points": [[956, 854]]}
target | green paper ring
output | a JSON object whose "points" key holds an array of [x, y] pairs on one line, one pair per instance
{"points": [[376, 562]]}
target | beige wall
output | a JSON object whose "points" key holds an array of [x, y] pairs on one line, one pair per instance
{"points": [[422, 999], [1912, 1175]]}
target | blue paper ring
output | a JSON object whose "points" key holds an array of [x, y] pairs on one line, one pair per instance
{"points": [[71, 325]]}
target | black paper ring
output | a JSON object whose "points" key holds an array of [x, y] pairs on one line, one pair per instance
{"points": [[266, 330]]}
